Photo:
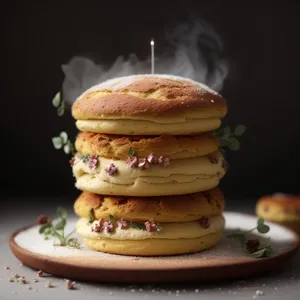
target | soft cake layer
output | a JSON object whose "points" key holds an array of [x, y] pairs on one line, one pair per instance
{"points": [[167, 209], [154, 247], [138, 127], [186, 230], [117, 147], [182, 176], [149, 104]]}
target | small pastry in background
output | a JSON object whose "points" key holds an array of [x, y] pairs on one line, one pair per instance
{"points": [[280, 208]]}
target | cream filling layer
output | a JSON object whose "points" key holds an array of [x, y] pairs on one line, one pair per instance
{"points": [[179, 171], [134, 127], [185, 230]]}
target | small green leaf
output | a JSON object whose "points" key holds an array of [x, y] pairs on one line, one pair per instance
{"points": [[234, 144], [259, 253], [56, 100], [239, 130], [74, 243], [61, 224], [48, 231], [263, 228], [136, 225], [218, 133], [64, 137], [57, 142], [260, 221], [91, 216], [61, 109], [225, 142], [61, 213], [84, 157], [44, 227], [67, 149], [112, 219], [46, 237], [130, 151]]}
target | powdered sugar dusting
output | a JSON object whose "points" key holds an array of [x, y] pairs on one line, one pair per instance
{"points": [[122, 82], [281, 239]]}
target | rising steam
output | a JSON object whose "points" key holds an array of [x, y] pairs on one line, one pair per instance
{"points": [[195, 51]]}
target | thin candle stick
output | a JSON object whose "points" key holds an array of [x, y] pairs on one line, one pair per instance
{"points": [[152, 56]]}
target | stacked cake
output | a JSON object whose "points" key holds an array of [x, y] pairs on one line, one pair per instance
{"points": [[148, 166]]}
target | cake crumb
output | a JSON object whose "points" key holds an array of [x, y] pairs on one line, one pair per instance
{"points": [[48, 284], [39, 273], [10, 279], [35, 280], [258, 293], [70, 284], [16, 276], [22, 280], [6, 268]]}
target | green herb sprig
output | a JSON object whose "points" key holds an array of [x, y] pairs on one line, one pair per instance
{"points": [[56, 228], [91, 216], [136, 225], [112, 219], [261, 227], [62, 141], [59, 104], [228, 138], [131, 152]]}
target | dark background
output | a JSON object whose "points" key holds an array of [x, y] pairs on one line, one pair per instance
{"points": [[261, 42]]}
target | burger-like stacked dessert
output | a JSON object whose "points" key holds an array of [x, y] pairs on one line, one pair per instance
{"points": [[148, 166]]}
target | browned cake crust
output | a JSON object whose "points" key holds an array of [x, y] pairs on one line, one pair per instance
{"points": [[173, 147], [148, 95], [165, 209], [279, 208]]}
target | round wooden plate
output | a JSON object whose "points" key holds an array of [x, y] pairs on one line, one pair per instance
{"points": [[225, 261]]}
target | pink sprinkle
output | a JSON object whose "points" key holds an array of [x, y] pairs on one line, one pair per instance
{"points": [[152, 159], [122, 224], [151, 226], [111, 169], [93, 161], [108, 226], [163, 161], [98, 227], [204, 222], [143, 163], [72, 161], [132, 162], [214, 159]]}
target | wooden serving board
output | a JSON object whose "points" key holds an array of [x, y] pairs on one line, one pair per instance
{"points": [[225, 261]]}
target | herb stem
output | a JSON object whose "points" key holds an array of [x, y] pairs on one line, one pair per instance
{"points": [[70, 233]]}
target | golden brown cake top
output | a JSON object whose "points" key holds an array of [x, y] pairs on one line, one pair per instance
{"points": [[162, 95], [182, 208]]}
